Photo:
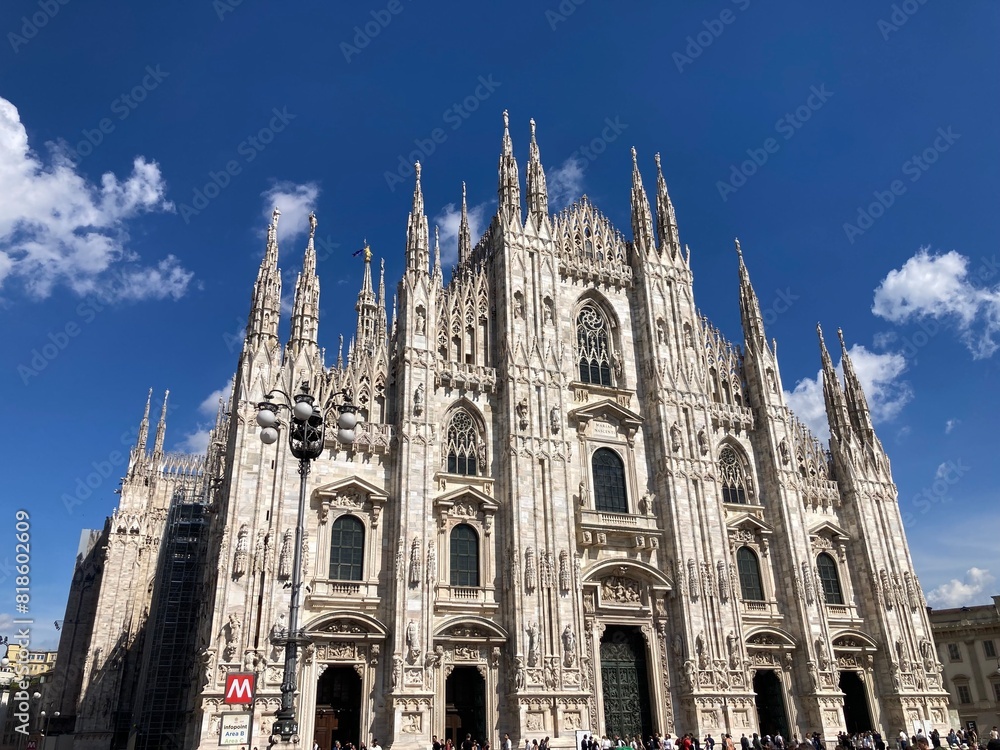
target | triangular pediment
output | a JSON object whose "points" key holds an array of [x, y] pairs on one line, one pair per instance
{"points": [[608, 409], [352, 485], [467, 493], [749, 521], [826, 528]]}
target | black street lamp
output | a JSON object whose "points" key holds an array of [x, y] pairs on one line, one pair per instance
{"points": [[306, 437]]}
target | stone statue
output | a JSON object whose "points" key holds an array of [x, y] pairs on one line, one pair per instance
{"points": [[699, 650], [421, 321], [418, 400], [242, 550], [733, 646], [675, 438], [532, 632], [661, 331], [520, 675], [522, 413], [569, 646], [554, 420], [584, 495], [412, 641], [397, 672], [232, 632], [783, 449], [703, 441], [823, 654]]}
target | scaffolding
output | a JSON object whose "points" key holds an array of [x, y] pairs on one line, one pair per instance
{"points": [[171, 637]]}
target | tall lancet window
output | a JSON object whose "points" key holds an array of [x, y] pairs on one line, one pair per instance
{"points": [[594, 346], [463, 445], [828, 576], [733, 475]]}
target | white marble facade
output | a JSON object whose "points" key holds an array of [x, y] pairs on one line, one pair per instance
{"points": [[478, 422]]}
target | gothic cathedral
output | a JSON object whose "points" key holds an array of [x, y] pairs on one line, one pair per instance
{"points": [[571, 505]]}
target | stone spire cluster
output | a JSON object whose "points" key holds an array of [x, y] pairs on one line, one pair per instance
{"points": [[265, 305], [305, 308], [508, 186]]}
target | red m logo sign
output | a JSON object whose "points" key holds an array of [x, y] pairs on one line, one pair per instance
{"points": [[239, 688]]}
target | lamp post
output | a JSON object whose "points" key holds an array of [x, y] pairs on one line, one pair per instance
{"points": [[306, 437]]}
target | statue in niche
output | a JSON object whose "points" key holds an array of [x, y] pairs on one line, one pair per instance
{"points": [[554, 420], [661, 331], [733, 646], [548, 314], [703, 441], [412, 641], [569, 646], [231, 632], [421, 321], [518, 305], [783, 450], [532, 632], [522, 413], [418, 400], [675, 438]]}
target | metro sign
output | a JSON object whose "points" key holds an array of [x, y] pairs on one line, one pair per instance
{"points": [[239, 688]]}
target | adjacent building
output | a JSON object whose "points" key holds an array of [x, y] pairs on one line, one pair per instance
{"points": [[968, 639], [572, 504]]}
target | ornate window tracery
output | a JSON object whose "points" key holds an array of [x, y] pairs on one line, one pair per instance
{"points": [[751, 586], [609, 482], [464, 556], [347, 549], [593, 346], [826, 568], [733, 477], [463, 445]]}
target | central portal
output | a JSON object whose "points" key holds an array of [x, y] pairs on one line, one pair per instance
{"points": [[338, 708], [465, 698], [625, 683], [770, 699], [857, 717]]}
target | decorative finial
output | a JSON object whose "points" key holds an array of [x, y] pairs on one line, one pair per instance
{"points": [[275, 214], [656, 158], [416, 166], [506, 120], [634, 157], [840, 335], [463, 191], [312, 224], [739, 251], [368, 252], [532, 123]]}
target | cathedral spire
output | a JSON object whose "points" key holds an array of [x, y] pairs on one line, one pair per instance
{"points": [[642, 218], [140, 443], [340, 353], [508, 188], [836, 408], [265, 307], [416, 230], [464, 235], [367, 307], [305, 308], [161, 427], [666, 219], [437, 273], [538, 196], [381, 300], [753, 322], [854, 395]]}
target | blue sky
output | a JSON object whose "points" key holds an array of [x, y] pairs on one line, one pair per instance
{"points": [[851, 147]]}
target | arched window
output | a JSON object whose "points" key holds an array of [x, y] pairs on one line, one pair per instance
{"points": [[463, 445], [734, 485], [594, 346], [827, 570], [609, 482], [749, 568], [347, 549], [464, 556]]}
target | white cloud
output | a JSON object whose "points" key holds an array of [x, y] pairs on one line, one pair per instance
{"points": [[950, 425], [210, 406], [295, 202], [195, 442], [956, 593], [884, 339], [880, 378], [56, 228], [448, 220], [940, 287], [565, 183]]}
